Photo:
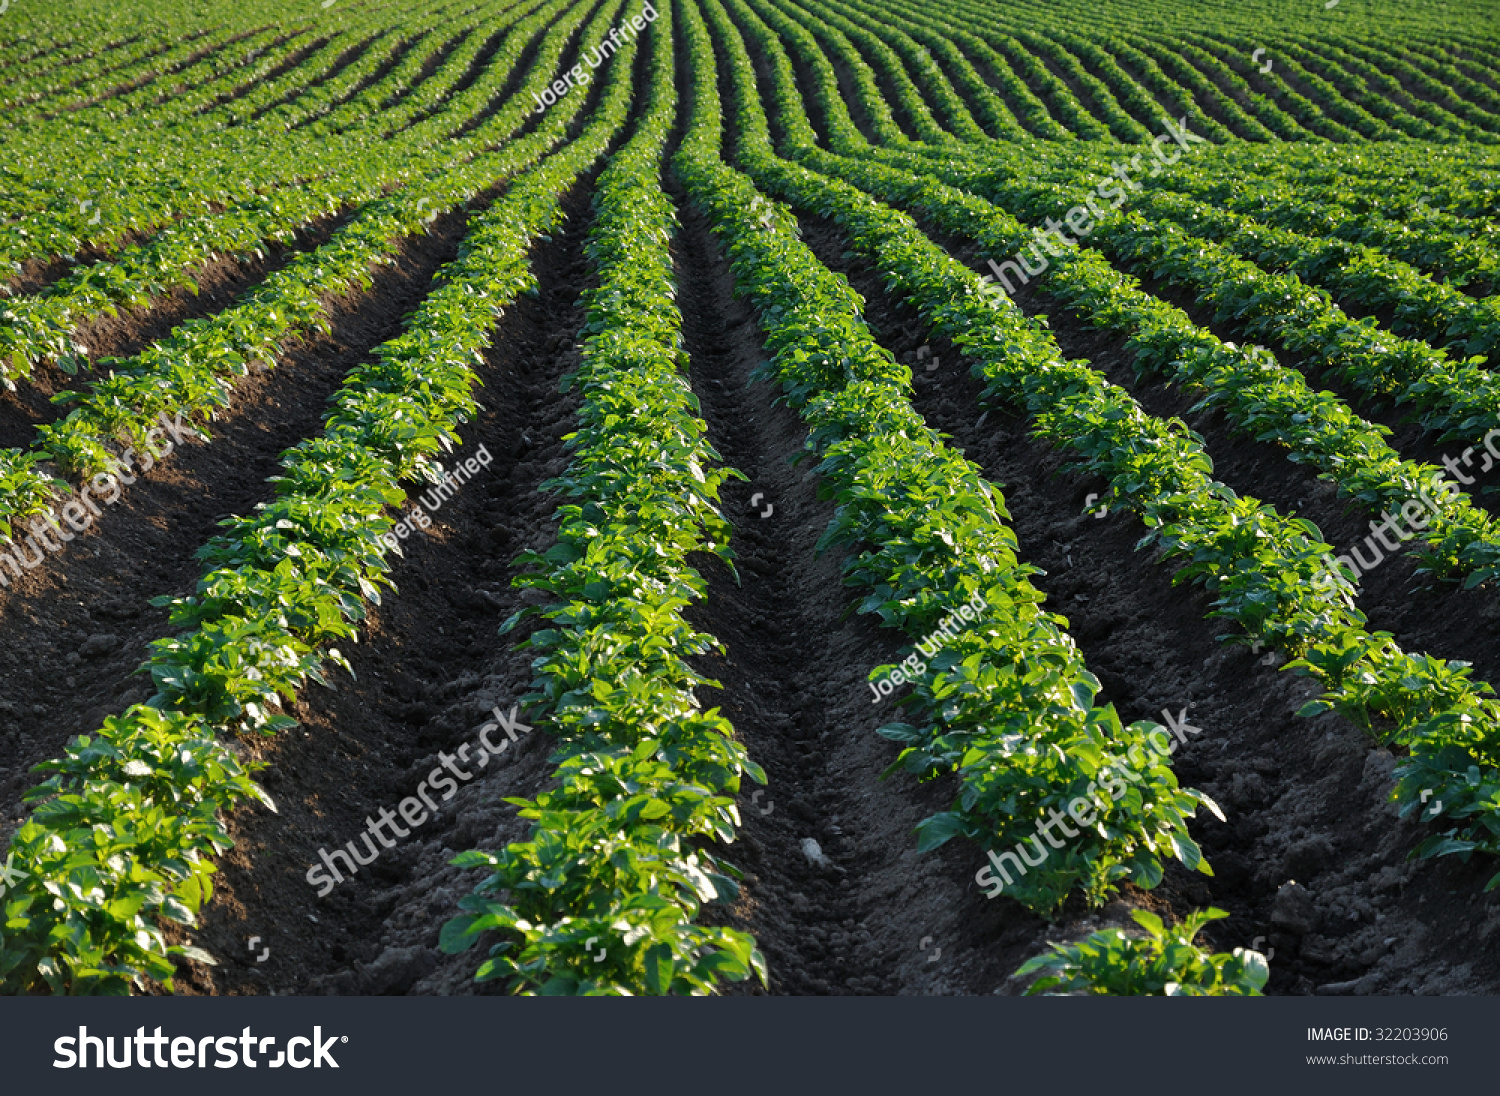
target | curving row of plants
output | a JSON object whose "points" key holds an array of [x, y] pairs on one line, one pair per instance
{"points": [[1259, 396], [1458, 399], [125, 167]]}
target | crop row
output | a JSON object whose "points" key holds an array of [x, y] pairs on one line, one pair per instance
{"points": [[1358, 273], [1125, 78], [1402, 223], [100, 195], [1260, 396]]}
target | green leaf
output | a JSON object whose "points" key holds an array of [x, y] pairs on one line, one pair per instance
{"points": [[1148, 920], [658, 968], [454, 936], [938, 830]]}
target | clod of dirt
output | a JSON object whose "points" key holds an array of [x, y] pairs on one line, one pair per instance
{"points": [[398, 969], [98, 645], [1311, 856], [393, 972], [1294, 909], [1379, 766]]}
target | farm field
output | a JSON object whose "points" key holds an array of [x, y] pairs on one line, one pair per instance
{"points": [[799, 497]]}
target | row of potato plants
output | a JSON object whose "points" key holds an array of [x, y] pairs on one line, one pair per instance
{"points": [[68, 157], [54, 88], [386, 66], [981, 99], [1457, 398], [1155, 961], [1449, 187], [1423, 23], [1096, 95], [1274, 401], [323, 106], [602, 897], [1329, 191], [1287, 113], [1029, 112], [1265, 570], [411, 98], [1423, 165], [1339, 93], [879, 115], [1341, 98], [866, 83], [903, 82], [1014, 112], [1008, 705], [328, 52], [1136, 109], [1259, 395], [1133, 96], [1176, 59], [1157, 83], [1186, 65], [1441, 73], [1111, 121], [1394, 70], [1064, 52], [1388, 98], [1065, 107], [147, 120], [96, 194], [263, 157], [124, 829], [923, 69], [1347, 92], [48, 61], [1182, 76], [1183, 85], [1357, 273]]}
